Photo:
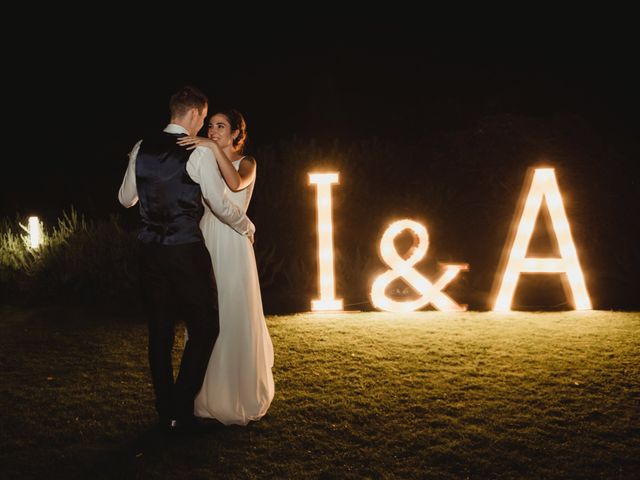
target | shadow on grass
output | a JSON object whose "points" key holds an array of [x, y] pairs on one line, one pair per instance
{"points": [[155, 445], [156, 452]]}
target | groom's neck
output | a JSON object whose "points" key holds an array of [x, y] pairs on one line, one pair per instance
{"points": [[183, 123]]}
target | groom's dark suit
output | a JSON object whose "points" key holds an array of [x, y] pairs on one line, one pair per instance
{"points": [[175, 269]]}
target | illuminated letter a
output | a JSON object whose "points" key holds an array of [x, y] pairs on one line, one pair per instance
{"points": [[541, 185]]}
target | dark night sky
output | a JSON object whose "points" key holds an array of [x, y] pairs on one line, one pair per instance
{"points": [[87, 96]]}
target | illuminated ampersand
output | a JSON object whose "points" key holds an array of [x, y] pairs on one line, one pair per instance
{"points": [[403, 268]]}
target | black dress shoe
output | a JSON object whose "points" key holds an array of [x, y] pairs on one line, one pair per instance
{"points": [[184, 426], [193, 426], [165, 424]]}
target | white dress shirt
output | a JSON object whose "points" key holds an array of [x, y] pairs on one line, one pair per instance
{"points": [[203, 169]]}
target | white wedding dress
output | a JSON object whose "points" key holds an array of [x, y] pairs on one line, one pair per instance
{"points": [[238, 386]]}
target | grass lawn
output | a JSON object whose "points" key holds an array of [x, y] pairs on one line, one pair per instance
{"points": [[358, 395]]}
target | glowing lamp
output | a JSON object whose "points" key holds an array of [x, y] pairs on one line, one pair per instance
{"points": [[541, 185], [326, 279], [35, 232], [403, 268]]}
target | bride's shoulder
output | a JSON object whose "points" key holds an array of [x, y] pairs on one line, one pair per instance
{"points": [[247, 164]]}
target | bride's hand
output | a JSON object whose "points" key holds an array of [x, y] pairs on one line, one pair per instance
{"points": [[191, 142]]}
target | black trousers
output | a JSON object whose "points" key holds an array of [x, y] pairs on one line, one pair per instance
{"points": [[177, 280]]}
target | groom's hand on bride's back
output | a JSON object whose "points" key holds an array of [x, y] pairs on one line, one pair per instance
{"points": [[251, 238]]}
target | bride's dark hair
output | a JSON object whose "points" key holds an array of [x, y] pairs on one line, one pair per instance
{"points": [[237, 122]]}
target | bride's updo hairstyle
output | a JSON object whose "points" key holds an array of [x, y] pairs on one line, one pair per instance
{"points": [[237, 122]]}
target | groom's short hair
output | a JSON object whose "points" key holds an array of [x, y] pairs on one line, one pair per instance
{"points": [[186, 98]]}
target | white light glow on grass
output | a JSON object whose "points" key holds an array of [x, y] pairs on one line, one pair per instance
{"points": [[35, 232]]}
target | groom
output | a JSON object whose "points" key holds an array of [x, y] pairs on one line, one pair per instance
{"points": [[171, 183]]}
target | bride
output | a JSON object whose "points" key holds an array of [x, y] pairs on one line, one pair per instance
{"points": [[238, 386]]}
